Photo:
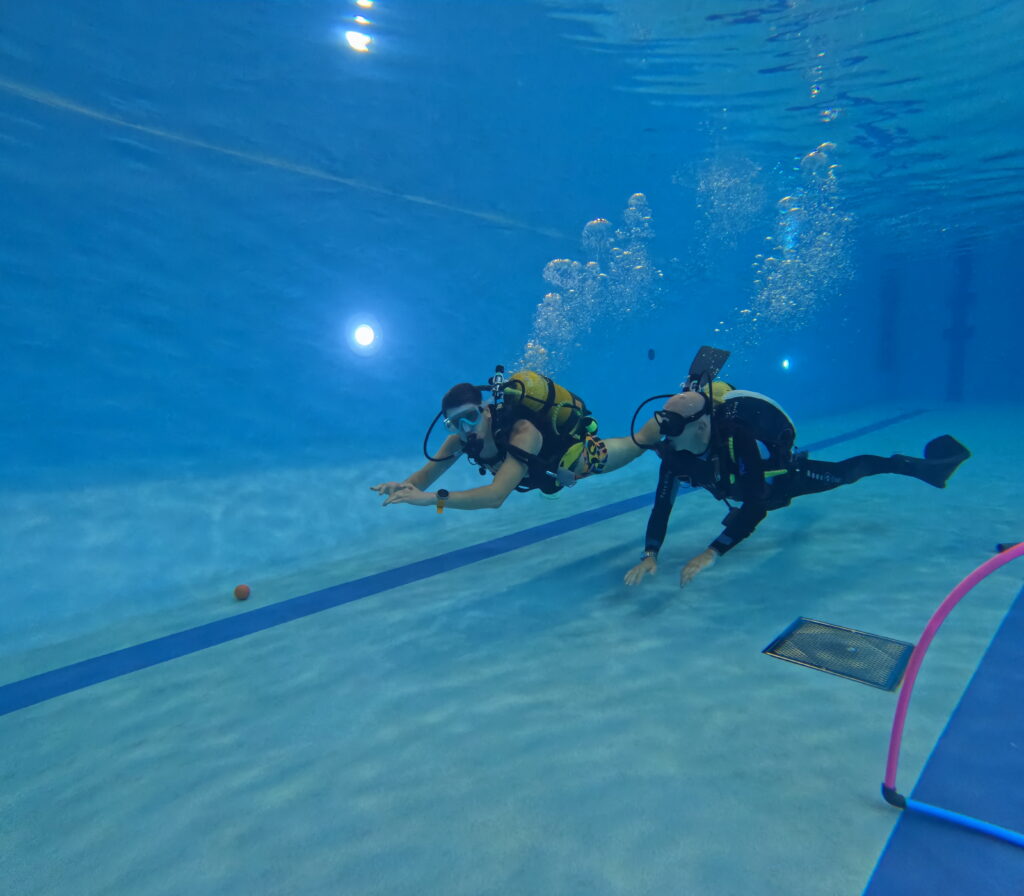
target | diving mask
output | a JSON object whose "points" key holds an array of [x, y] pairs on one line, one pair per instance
{"points": [[465, 420], [671, 424]]}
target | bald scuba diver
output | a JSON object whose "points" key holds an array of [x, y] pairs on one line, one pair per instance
{"points": [[532, 435], [739, 446]]}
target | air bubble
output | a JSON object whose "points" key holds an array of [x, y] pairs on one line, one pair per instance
{"points": [[616, 280]]}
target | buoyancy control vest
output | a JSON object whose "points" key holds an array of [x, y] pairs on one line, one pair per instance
{"points": [[561, 417]]}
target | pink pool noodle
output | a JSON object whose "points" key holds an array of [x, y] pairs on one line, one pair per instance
{"points": [[955, 596]]}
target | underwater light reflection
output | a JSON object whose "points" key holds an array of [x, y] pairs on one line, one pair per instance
{"points": [[358, 41]]}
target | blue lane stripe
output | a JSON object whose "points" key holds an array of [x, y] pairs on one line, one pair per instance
{"points": [[38, 688], [863, 431]]}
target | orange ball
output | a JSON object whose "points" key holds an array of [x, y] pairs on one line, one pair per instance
{"points": [[241, 592]]}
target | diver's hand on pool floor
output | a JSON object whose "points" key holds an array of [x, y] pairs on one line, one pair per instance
{"points": [[407, 493], [698, 563], [645, 566]]}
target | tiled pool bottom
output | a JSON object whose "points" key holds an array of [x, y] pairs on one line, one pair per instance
{"points": [[525, 723]]}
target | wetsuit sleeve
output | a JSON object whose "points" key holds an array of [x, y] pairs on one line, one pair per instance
{"points": [[664, 498], [742, 520]]}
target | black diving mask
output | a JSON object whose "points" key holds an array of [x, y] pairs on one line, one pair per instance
{"points": [[671, 424]]}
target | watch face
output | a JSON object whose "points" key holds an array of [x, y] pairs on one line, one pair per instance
{"points": [[442, 493]]}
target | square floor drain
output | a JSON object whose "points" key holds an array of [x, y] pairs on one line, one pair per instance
{"points": [[846, 652]]}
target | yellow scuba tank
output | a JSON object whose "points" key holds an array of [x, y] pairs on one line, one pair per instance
{"points": [[550, 403], [719, 389]]}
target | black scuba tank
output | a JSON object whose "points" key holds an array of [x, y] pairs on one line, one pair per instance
{"points": [[764, 419]]}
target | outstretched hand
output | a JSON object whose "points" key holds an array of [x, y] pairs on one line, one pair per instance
{"points": [[696, 565], [405, 493], [387, 488], [649, 565]]}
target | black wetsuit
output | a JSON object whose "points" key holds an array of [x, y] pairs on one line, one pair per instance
{"points": [[737, 467]]}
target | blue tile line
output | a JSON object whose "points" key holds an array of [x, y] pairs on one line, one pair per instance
{"points": [[57, 682]]}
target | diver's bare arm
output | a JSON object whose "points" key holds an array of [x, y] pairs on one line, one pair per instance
{"points": [[526, 437], [430, 472], [427, 474], [509, 475]]}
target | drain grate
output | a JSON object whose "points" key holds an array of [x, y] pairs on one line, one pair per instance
{"points": [[846, 652]]}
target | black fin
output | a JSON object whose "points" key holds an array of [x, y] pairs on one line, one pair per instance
{"points": [[945, 448], [706, 365], [942, 456]]}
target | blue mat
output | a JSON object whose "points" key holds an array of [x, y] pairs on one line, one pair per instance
{"points": [[977, 768]]}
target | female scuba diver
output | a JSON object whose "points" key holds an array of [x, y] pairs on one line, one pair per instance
{"points": [[533, 434], [739, 446]]}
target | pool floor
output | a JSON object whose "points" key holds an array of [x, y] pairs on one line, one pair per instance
{"points": [[526, 723]]}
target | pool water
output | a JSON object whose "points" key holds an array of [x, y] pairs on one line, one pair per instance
{"points": [[205, 202]]}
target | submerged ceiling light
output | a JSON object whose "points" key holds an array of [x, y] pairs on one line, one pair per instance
{"points": [[785, 363], [365, 4], [358, 41], [362, 20], [362, 333]]}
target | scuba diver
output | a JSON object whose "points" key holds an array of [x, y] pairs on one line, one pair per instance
{"points": [[740, 447], [533, 434]]}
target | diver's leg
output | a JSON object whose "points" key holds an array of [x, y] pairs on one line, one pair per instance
{"points": [[813, 476], [605, 455], [595, 455], [809, 477], [941, 458], [621, 451]]}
